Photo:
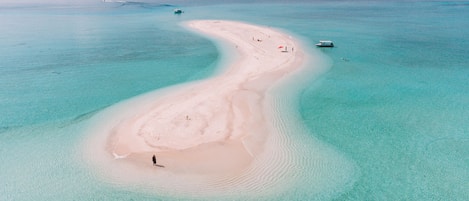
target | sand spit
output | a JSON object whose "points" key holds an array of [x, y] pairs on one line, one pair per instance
{"points": [[217, 125], [215, 137]]}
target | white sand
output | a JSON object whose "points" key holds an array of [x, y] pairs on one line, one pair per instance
{"points": [[215, 136], [223, 113]]}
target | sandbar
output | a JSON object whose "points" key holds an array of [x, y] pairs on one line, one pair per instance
{"points": [[223, 113], [215, 129]]}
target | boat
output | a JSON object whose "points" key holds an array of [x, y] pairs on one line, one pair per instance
{"points": [[178, 11], [325, 43]]}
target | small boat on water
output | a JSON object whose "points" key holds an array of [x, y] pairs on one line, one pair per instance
{"points": [[325, 43], [178, 11]]}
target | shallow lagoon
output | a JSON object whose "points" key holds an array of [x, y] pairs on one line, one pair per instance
{"points": [[395, 101]]}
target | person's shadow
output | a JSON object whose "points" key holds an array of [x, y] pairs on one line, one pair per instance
{"points": [[154, 162]]}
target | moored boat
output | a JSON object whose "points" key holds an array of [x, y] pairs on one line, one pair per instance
{"points": [[325, 43]]}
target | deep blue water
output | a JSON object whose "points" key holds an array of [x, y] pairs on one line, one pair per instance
{"points": [[395, 101]]}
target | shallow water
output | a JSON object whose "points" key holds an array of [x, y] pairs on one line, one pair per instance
{"points": [[394, 103]]}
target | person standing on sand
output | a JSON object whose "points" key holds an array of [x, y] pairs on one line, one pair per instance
{"points": [[154, 160]]}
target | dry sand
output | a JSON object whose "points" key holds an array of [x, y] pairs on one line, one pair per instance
{"points": [[214, 134], [217, 125]]}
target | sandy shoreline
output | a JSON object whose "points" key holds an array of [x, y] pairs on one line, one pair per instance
{"points": [[224, 110], [215, 129]]}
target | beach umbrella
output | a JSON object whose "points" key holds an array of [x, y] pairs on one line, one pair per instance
{"points": [[281, 46]]}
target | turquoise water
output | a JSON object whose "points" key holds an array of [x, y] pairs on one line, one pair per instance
{"points": [[395, 100]]}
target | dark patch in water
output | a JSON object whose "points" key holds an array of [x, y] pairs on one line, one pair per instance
{"points": [[81, 117], [145, 4], [454, 4], [87, 115], [4, 129]]}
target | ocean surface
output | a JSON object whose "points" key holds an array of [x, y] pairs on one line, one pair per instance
{"points": [[394, 101]]}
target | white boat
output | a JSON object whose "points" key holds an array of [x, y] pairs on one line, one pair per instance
{"points": [[178, 11], [325, 43]]}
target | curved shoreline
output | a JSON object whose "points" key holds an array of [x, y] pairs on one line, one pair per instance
{"points": [[216, 136], [224, 110]]}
